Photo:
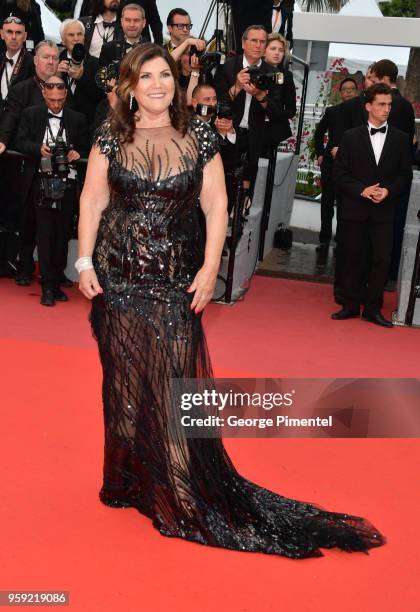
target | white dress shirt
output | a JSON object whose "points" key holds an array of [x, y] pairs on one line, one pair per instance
{"points": [[7, 73], [55, 125], [378, 140], [248, 97], [77, 9], [101, 35]]}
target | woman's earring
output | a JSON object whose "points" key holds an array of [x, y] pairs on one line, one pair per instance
{"points": [[131, 100]]}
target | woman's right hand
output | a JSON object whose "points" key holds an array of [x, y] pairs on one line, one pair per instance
{"points": [[88, 283]]}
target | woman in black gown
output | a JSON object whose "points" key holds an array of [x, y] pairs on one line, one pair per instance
{"points": [[143, 263]]}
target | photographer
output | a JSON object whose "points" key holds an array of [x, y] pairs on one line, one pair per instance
{"points": [[78, 70], [132, 22], [55, 137], [27, 11], [179, 28], [250, 85], [102, 26]]}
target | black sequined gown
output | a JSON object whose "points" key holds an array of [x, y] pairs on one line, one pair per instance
{"points": [[148, 250]]}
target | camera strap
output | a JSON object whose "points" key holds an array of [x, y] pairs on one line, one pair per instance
{"points": [[59, 133]]}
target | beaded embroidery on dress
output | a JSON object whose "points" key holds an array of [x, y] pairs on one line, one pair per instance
{"points": [[148, 249]]}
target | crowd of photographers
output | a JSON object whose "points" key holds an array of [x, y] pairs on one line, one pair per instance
{"points": [[53, 99]]}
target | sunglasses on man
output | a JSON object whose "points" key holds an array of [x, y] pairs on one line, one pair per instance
{"points": [[54, 85], [13, 19]]}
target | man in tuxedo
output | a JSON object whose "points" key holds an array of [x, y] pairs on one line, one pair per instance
{"points": [[16, 65], [371, 171], [40, 129], [251, 106], [402, 117], [153, 21], [132, 22], [22, 95], [76, 8], [102, 26], [329, 125], [83, 94]]}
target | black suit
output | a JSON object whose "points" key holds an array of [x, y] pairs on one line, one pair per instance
{"points": [[225, 77], [23, 94], [250, 12], [24, 69], [53, 227], [89, 23], [328, 124], [153, 21], [65, 6], [86, 94], [114, 51], [366, 227]]}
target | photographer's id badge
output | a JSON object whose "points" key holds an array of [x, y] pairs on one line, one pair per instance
{"points": [[279, 78]]}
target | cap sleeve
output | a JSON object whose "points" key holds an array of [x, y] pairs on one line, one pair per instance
{"points": [[208, 142], [105, 141]]}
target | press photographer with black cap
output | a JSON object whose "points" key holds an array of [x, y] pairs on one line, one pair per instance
{"points": [[54, 136]]}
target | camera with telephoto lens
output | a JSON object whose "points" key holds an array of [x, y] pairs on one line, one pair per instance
{"points": [[54, 172], [265, 80], [77, 55]]}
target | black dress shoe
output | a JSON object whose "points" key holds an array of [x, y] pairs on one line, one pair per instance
{"points": [[60, 296], [23, 280], [376, 318], [345, 314], [65, 282], [47, 297]]}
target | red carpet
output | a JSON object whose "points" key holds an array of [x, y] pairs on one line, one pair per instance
{"points": [[57, 536]]}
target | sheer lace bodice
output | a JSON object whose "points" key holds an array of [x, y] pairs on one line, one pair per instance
{"points": [[148, 249]]}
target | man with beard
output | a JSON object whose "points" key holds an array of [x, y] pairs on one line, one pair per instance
{"points": [[102, 26]]}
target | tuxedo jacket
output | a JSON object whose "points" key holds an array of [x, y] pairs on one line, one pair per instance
{"points": [[153, 21], [87, 94], [353, 113], [31, 134], [68, 6], [23, 94], [330, 123], [355, 168], [89, 23], [276, 111], [114, 51], [26, 70]]}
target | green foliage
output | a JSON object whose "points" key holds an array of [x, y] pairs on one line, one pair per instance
{"points": [[398, 8]]}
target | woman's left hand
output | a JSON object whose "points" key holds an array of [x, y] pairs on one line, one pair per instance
{"points": [[203, 284]]}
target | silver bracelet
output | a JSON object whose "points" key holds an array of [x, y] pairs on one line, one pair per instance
{"points": [[83, 263]]}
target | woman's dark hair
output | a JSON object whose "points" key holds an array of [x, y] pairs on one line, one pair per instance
{"points": [[376, 90], [122, 119], [348, 80]]}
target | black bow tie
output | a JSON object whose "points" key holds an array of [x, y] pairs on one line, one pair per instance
{"points": [[374, 131], [10, 60], [52, 116], [108, 24], [129, 45]]}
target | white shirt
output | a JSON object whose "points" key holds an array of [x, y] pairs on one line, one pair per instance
{"points": [[55, 127], [8, 70], [378, 140], [101, 35], [276, 20], [248, 97], [77, 9]]}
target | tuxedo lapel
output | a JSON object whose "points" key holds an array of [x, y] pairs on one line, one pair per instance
{"points": [[387, 146]]}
